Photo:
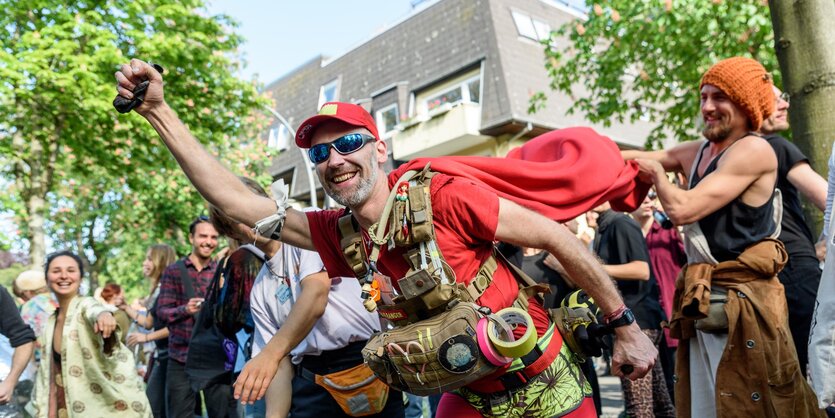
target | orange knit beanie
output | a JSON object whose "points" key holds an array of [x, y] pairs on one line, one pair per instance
{"points": [[747, 84]]}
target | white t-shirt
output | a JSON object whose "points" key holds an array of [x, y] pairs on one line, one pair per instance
{"points": [[273, 294], [6, 355]]}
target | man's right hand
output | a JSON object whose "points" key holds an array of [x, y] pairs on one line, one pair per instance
{"points": [[130, 75], [820, 250], [6, 391], [633, 348], [135, 338], [256, 377], [193, 305]]}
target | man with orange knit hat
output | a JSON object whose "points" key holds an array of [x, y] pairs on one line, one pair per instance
{"points": [[736, 356]]}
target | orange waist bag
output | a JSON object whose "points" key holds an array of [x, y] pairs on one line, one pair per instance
{"points": [[357, 390]]}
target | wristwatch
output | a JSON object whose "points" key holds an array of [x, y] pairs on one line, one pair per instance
{"points": [[625, 318]]}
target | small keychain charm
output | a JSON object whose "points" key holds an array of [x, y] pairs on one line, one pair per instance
{"points": [[368, 297], [402, 192]]}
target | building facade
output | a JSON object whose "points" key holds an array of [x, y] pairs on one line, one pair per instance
{"points": [[455, 77]]}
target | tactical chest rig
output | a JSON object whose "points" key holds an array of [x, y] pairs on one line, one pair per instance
{"points": [[433, 347]]}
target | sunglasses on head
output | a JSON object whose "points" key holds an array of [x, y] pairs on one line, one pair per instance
{"points": [[344, 145], [197, 220]]}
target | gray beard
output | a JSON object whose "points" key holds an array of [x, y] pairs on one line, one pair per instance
{"points": [[357, 197]]}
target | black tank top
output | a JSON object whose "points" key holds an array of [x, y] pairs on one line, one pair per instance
{"points": [[734, 227]]}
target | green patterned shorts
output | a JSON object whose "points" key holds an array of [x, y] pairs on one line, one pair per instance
{"points": [[557, 390]]}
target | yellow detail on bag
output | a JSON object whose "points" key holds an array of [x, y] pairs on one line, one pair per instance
{"points": [[357, 390]]}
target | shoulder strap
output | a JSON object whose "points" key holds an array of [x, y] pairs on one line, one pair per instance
{"points": [[352, 246], [695, 168], [255, 251], [188, 286], [528, 287]]}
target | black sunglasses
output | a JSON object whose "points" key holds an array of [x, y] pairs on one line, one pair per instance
{"points": [[344, 145]]}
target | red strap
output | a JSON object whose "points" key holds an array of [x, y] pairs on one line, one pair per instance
{"points": [[617, 313]]}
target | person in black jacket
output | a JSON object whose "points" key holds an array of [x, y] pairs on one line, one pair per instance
{"points": [[620, 245], [21, 338]]}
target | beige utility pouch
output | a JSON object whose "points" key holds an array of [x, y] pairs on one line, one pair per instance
{"points": [[716, 321]]}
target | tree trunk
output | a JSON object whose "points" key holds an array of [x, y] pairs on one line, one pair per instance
{"points": [[35, 207], [805, 47]]}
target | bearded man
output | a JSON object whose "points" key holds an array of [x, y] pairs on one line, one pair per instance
{"points": [[736, 357]]}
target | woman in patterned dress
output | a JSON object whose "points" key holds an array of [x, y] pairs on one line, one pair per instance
{"points": [[85, 370]]}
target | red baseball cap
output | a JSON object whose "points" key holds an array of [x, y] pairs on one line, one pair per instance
{"points": [[346, 112]]}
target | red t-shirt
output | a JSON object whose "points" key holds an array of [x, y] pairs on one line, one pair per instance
{"points": [[465, 216]]}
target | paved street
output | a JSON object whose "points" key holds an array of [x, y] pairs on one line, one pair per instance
{"points": [[612, 396]]}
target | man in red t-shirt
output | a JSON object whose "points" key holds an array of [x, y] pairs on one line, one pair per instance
{"points": [[467, 216]]}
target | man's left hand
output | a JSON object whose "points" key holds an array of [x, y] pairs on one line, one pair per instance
{"points": [[105, 324], [633, 348]]}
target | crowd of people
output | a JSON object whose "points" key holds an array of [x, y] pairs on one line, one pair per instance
{"points": [[455, 281]]}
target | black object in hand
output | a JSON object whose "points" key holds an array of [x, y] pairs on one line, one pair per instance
{"points": [[627, 369], [124, 105]]}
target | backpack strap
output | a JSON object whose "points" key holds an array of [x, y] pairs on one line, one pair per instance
{"points": [[188, 285], [352, 246], [528, 287], [255, 251]]}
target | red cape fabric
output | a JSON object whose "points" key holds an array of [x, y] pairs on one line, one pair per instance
{"points": [[560, 174]]}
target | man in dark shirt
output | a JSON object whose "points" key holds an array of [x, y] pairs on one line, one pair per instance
{"points": [[621, 246], [21, 338], [178, 308], [801, 275], [725, 364]]}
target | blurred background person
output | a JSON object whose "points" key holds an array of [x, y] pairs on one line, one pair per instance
{"points": [[85, 369], [801, 274], [822, 335], [15, 351], [666, 257], [112, 296], [38, 304], [623, 251], [157, 258]]}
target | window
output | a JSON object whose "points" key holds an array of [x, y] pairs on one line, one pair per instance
{"points": [[387, 118], [279, 137], [474, 90], [468, 91], [573, 5], [529, 27], [461, 87], [328, 93]]}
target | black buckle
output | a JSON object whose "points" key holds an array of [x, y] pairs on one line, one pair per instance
{"points": [[513, 381]]}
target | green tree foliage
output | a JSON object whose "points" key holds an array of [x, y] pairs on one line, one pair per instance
{"points": [[644, 59], [87, 177]]}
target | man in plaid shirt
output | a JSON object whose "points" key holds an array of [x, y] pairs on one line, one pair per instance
{"points": [[178, 312]]}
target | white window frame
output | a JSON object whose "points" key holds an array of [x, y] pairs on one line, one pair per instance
{"points": [[530, 28], [570, 6], [460, 85], [327, 86], [279, 137], [387, 131]]}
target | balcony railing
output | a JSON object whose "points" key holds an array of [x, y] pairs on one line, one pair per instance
{"points": [[446, 130]]}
